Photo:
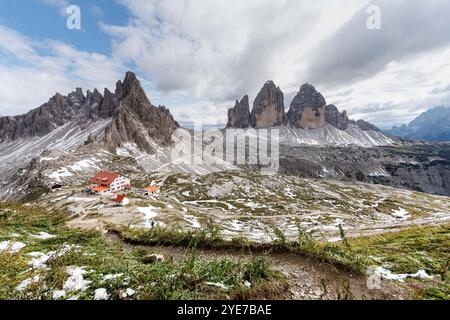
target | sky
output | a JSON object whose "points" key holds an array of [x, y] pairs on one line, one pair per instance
{"points": [[198, 56]]}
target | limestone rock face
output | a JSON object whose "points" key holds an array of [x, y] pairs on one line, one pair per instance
{"points": [[136, 120], [307, 109], [239, 116], [366, 126], [341, 121], [40, 121], [337, 119], [133, 118], [268, 107]]}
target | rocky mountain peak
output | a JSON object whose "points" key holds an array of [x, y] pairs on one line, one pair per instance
{"points": [[336, 118], [135, 119], [239, 116], [307, 109], [268, 107], [130, 85]]}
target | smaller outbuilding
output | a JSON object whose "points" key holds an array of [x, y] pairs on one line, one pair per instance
{"points": [[121, 200], [152, 190]]}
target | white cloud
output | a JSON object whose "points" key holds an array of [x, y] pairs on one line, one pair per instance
{"points": [[217, 51], [402, 91], [31, 72], [221, 50]]}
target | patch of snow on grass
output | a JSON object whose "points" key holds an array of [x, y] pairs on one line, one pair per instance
{"points": [[76, 281], [101, 294], [112, 276], [11, 246], [218, 285], [42, 235], [39, 259], [387, 274], [130, 292], [28, 282], [58, 294], [401, 214]]}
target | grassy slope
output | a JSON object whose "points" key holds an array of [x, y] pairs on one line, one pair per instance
{"points": [[404, 252], [99, 256], [413, 249]]}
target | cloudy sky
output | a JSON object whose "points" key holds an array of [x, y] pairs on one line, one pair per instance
{"points": [[198, 56]]}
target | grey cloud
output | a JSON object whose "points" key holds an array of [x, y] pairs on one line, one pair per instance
{"points": [[440, 90], [355, 52]]}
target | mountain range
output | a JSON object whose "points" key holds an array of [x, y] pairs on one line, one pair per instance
{"points": [[432, 125], [308, 110], [71, 137], [309, 120]]}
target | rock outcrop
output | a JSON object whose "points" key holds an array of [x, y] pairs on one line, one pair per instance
{"points": [[337, 119], [239, 116], [133, 118], [136, 120], [307, 109], [58, 111], [268, 107]]}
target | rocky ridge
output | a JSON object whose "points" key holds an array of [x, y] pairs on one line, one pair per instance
{"points": [[308, 110]]}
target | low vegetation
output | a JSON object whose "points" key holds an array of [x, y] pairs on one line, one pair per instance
{"points": [[98, 262], [404, 252], [335, 254], [416, 248], [106, 263]]}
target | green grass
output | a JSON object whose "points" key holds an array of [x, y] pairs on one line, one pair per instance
{"points": [[410, 250], [172, 279], [210, 237]]}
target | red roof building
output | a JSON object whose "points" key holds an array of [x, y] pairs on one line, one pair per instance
{"points": [[108, 182], [104, 178], [121, 199]]}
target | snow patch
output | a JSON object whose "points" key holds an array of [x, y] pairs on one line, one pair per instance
{"points": [[11, 246], [112, 276], [101, 294], [42, 235], [387, 274], [61, 173], [217, 284], [28, 282], [401, 214], [76, 281]]}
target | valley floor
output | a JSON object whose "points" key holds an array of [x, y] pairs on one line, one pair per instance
{"points": [[244, 203]]}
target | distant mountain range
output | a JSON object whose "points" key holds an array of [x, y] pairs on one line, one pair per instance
{"points": [[432, 125]]}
